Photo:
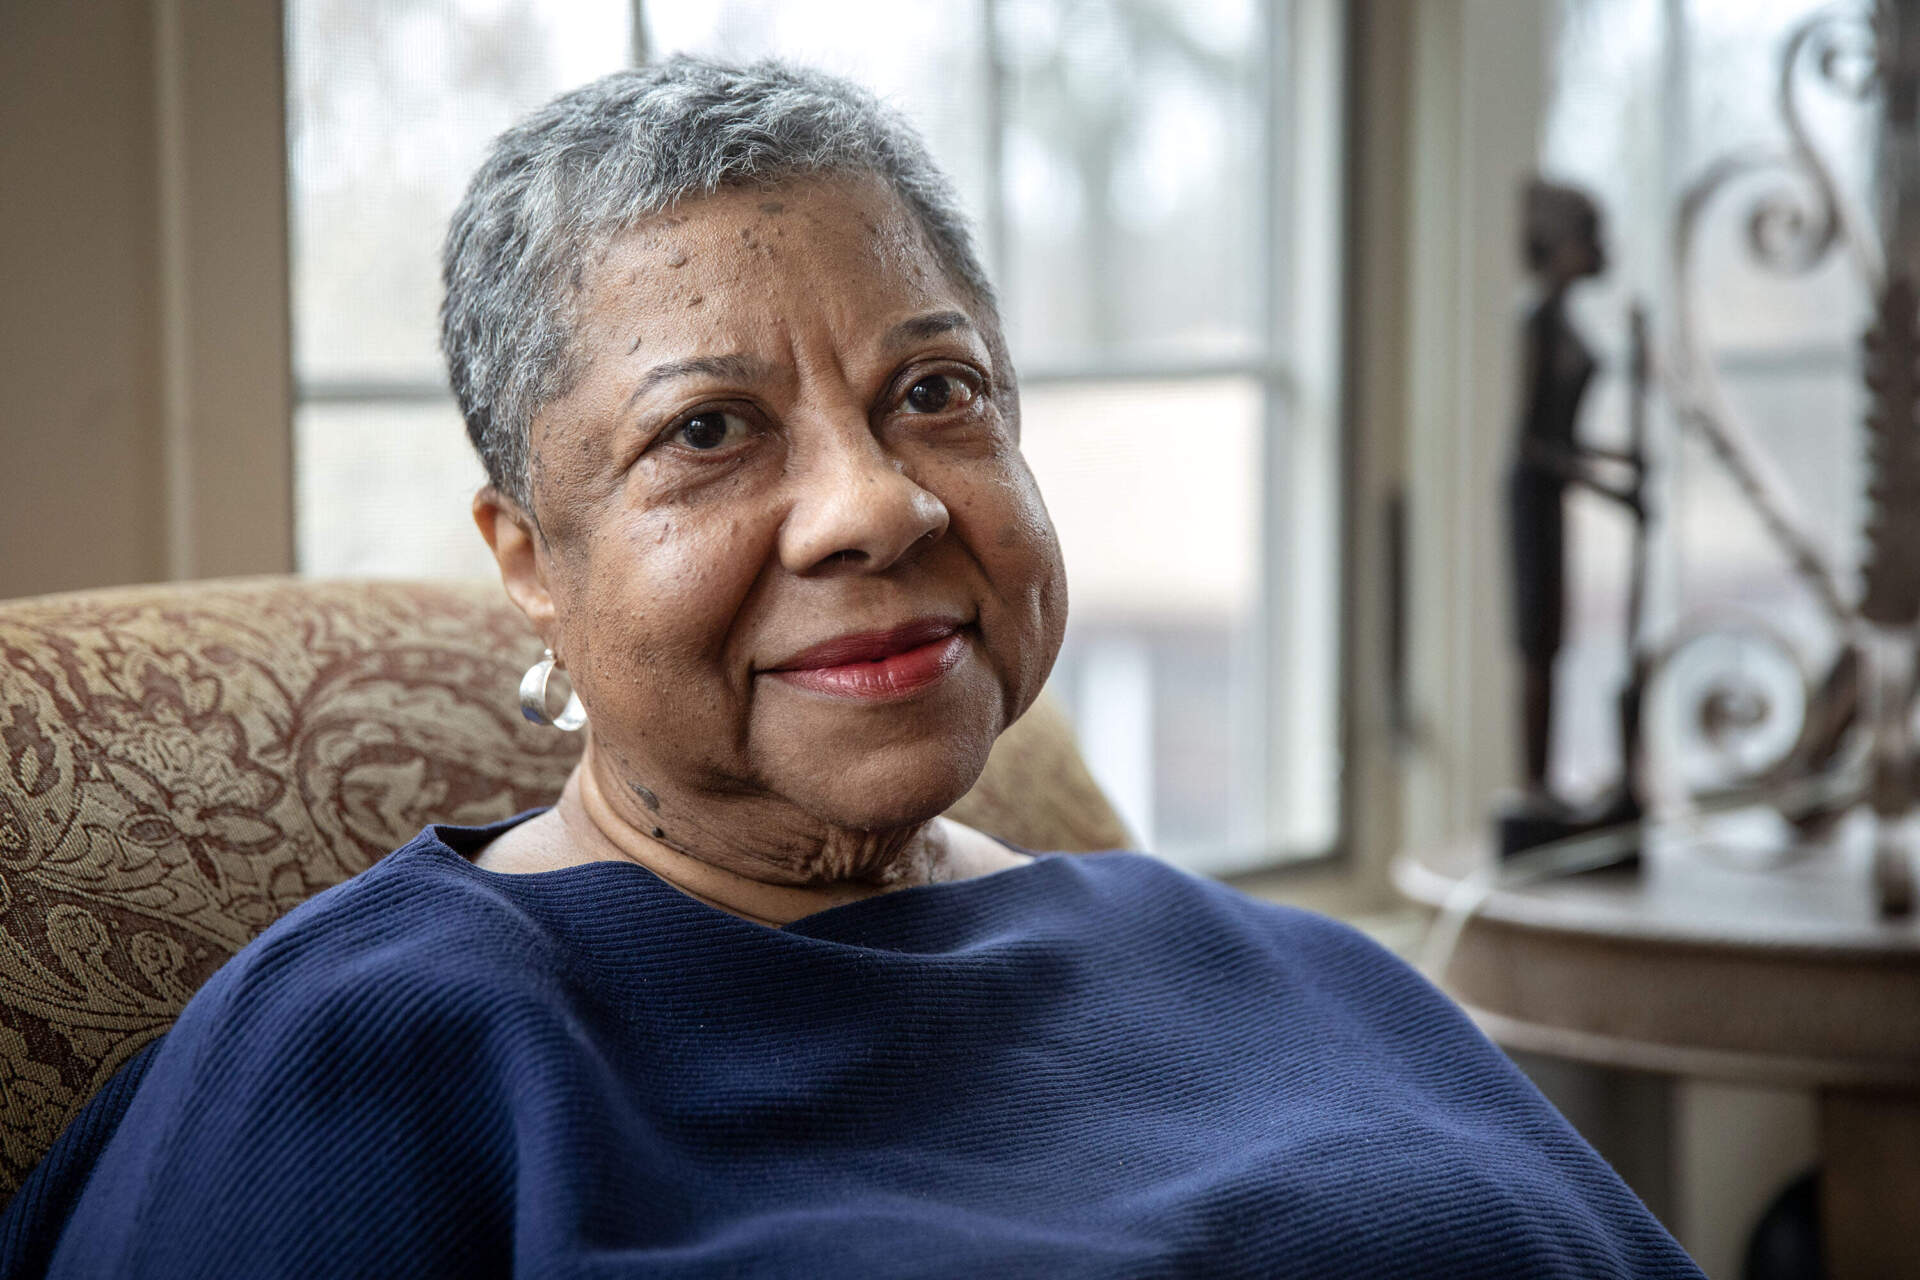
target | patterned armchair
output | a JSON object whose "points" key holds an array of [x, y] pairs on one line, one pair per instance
{"points": [[182, 764]]}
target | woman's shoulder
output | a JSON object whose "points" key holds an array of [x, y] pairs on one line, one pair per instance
{"points": [[1145, 885], [427, 881], [357, 1049], [1164, 916], [420, 920]]}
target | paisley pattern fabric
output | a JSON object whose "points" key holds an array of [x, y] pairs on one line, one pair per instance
{"points": [[182, 764]]}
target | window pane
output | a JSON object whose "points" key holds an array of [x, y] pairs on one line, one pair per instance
{"points": [[1805, 417], [390, 106], [1733, 69], [925, 57], [1605, 131], [1614, 127], [1135, 179], [1155, 491], [1733, 63], [381, 490]]}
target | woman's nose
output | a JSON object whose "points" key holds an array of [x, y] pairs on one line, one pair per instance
{"points": [[856, 507]]}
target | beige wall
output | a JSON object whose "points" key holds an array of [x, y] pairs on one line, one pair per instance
{"points": [[144, 370], [78, 499]]}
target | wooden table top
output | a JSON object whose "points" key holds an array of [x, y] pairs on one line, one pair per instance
{"points": [[1728, 955]]}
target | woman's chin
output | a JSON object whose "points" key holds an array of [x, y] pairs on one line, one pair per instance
{"points": [[879, 765], [865, 783]]}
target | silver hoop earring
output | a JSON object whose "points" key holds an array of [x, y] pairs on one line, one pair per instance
{"points": [[533, 698]]}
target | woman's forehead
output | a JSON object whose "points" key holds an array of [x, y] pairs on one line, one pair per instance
{"points": [[830, 240], [758, 287]]}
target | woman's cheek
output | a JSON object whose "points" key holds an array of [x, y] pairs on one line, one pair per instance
{"points": [[1029, 534], [678, 578], [1013, 538], [1025, 537]]}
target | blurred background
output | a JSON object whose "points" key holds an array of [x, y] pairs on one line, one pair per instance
{"points": [[1261, 265]]}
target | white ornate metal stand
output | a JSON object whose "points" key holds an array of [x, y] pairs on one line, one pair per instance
{"points": [[1858, 729]]}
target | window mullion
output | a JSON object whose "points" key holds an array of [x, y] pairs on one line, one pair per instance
{"points": [[994, 134]]}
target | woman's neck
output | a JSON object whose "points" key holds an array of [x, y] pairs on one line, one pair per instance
{"points": [[593, 827]]}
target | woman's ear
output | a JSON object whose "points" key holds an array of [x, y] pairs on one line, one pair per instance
{"points": [[517, 548]]}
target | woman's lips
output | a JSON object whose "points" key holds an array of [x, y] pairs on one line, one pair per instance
{"points": [[879, 665]]}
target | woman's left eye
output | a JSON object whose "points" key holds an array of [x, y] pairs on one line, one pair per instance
{"points": [[709, 430], [939, 393]]}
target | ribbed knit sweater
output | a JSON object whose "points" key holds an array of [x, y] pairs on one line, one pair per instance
{"points": [[1082, 1066]]}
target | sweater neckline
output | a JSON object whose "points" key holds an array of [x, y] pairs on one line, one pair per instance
{"points": [[841, 924]]}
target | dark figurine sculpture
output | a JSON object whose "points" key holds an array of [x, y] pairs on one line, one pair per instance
{"points": [[1563, 246]]}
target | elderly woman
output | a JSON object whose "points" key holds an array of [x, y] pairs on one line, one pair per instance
{"points": [[740, 1003]]}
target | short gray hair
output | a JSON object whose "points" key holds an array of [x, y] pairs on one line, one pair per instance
{"points": [[560, 185]]}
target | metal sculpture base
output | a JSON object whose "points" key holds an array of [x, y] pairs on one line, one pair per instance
{"points": [[1522, 823]]}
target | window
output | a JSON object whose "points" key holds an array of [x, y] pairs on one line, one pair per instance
{"points": [[1644, 94], [391, 107], [1130, 166]]}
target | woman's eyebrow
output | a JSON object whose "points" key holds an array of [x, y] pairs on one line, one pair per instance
{"points": [[731, 368], [920, 328]]}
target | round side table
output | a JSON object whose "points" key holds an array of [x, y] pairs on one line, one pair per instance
{"points": [[1694, 966]]}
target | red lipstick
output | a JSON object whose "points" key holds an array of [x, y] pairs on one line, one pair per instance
{"points": [[879, 665]]}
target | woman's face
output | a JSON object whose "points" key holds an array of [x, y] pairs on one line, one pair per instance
{"points": [[789, 433]]}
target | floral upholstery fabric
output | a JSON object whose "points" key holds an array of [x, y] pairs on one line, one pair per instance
{"points": [[182, 764]]}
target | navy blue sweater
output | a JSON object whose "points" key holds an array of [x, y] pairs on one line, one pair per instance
{"points": [[1084, 1066]]}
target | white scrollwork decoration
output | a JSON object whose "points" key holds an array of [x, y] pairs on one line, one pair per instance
{"points": [[1792, 228]]}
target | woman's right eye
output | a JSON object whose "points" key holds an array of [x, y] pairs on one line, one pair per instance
{"points": [[710, 430]]}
